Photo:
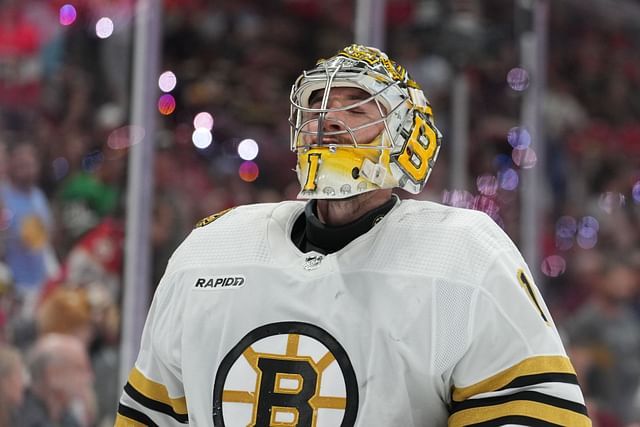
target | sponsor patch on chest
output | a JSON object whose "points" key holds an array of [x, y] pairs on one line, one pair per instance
{"points": [[219, 282]]}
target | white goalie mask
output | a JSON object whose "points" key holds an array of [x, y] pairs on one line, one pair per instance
{"points": [[331, 162]]}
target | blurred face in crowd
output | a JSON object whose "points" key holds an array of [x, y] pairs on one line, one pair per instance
{"points": [[70, 372], [23, 166], [12, 382], [620, 283]]}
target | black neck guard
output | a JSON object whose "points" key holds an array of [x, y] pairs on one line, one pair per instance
{"points": [[309, 234]]}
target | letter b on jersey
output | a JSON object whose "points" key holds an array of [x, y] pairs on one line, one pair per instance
{"points": [[291, 401], [309, 381]]}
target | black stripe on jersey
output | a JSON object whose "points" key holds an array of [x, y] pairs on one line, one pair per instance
{"points": [[515, 419], [135, 415], [154, 404], [533, 396], [547, 377]]}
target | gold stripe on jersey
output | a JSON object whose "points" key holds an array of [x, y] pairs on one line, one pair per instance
{"points": [[122, 421], [533, 411], [156, 391], [211, 218], [532, 366]]}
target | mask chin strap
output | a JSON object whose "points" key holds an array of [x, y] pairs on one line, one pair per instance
{"points": [[377, 172]]}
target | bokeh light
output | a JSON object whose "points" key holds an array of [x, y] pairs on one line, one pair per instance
{"points": [[553, 266], [588, 232], [566, 228], [518, 79], [487, 184], [104, 27], [610, 201], [166, 104], [67, 14], [587, 242], [487, 205], [201, 138], [524, 158], [92, 161], [167, 81], [519, 137], [564, 243], [248, 171], [635, 193], [125, 137], [248, 149], [203, 120], [60, 167], [508, 179], [587, 224], [458, 198]]}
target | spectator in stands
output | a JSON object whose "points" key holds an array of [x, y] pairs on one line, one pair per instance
{"points": [[27, 234], [12, 384], [90, 315], [606, 331], [89, 195], [66, 311], [61, 380], [20, 80]]}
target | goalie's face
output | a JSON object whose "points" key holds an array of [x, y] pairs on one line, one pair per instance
{"points": [[340, 143], [359, 123], [351, 118]]}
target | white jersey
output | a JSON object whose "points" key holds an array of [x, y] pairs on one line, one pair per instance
{"points": [[431, 318]]}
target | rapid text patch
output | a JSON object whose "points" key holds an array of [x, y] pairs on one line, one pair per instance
{"points": [[220, 282]]}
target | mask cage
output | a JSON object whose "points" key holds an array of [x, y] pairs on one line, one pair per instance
{"points": [[384, 91]]}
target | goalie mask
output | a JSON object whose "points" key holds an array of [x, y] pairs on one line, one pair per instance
{"points": [[360, 123]]}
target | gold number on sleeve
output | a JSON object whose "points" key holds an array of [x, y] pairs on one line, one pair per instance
{"points": [[528, 288]]}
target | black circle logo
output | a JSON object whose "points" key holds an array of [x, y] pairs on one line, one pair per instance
{"points": [[286, 374]]}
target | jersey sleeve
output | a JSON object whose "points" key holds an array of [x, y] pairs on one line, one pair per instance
{"points": [[154, 394], [515, 370]]}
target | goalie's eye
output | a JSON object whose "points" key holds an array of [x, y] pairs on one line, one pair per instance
{"points": [[315, 100]]}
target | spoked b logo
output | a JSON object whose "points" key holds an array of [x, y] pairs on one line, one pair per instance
{"points": [[287, 374]]}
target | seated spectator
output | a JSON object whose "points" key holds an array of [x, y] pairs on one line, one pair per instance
{"points": [[61, 384], [12, 384], [605, 333], [66, 311], [89, 314]]}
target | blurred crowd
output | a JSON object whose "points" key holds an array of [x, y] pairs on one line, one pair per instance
{"points": [[64, 137]]}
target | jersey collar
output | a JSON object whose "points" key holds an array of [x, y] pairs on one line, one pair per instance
{"points": [[309, 234]]}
